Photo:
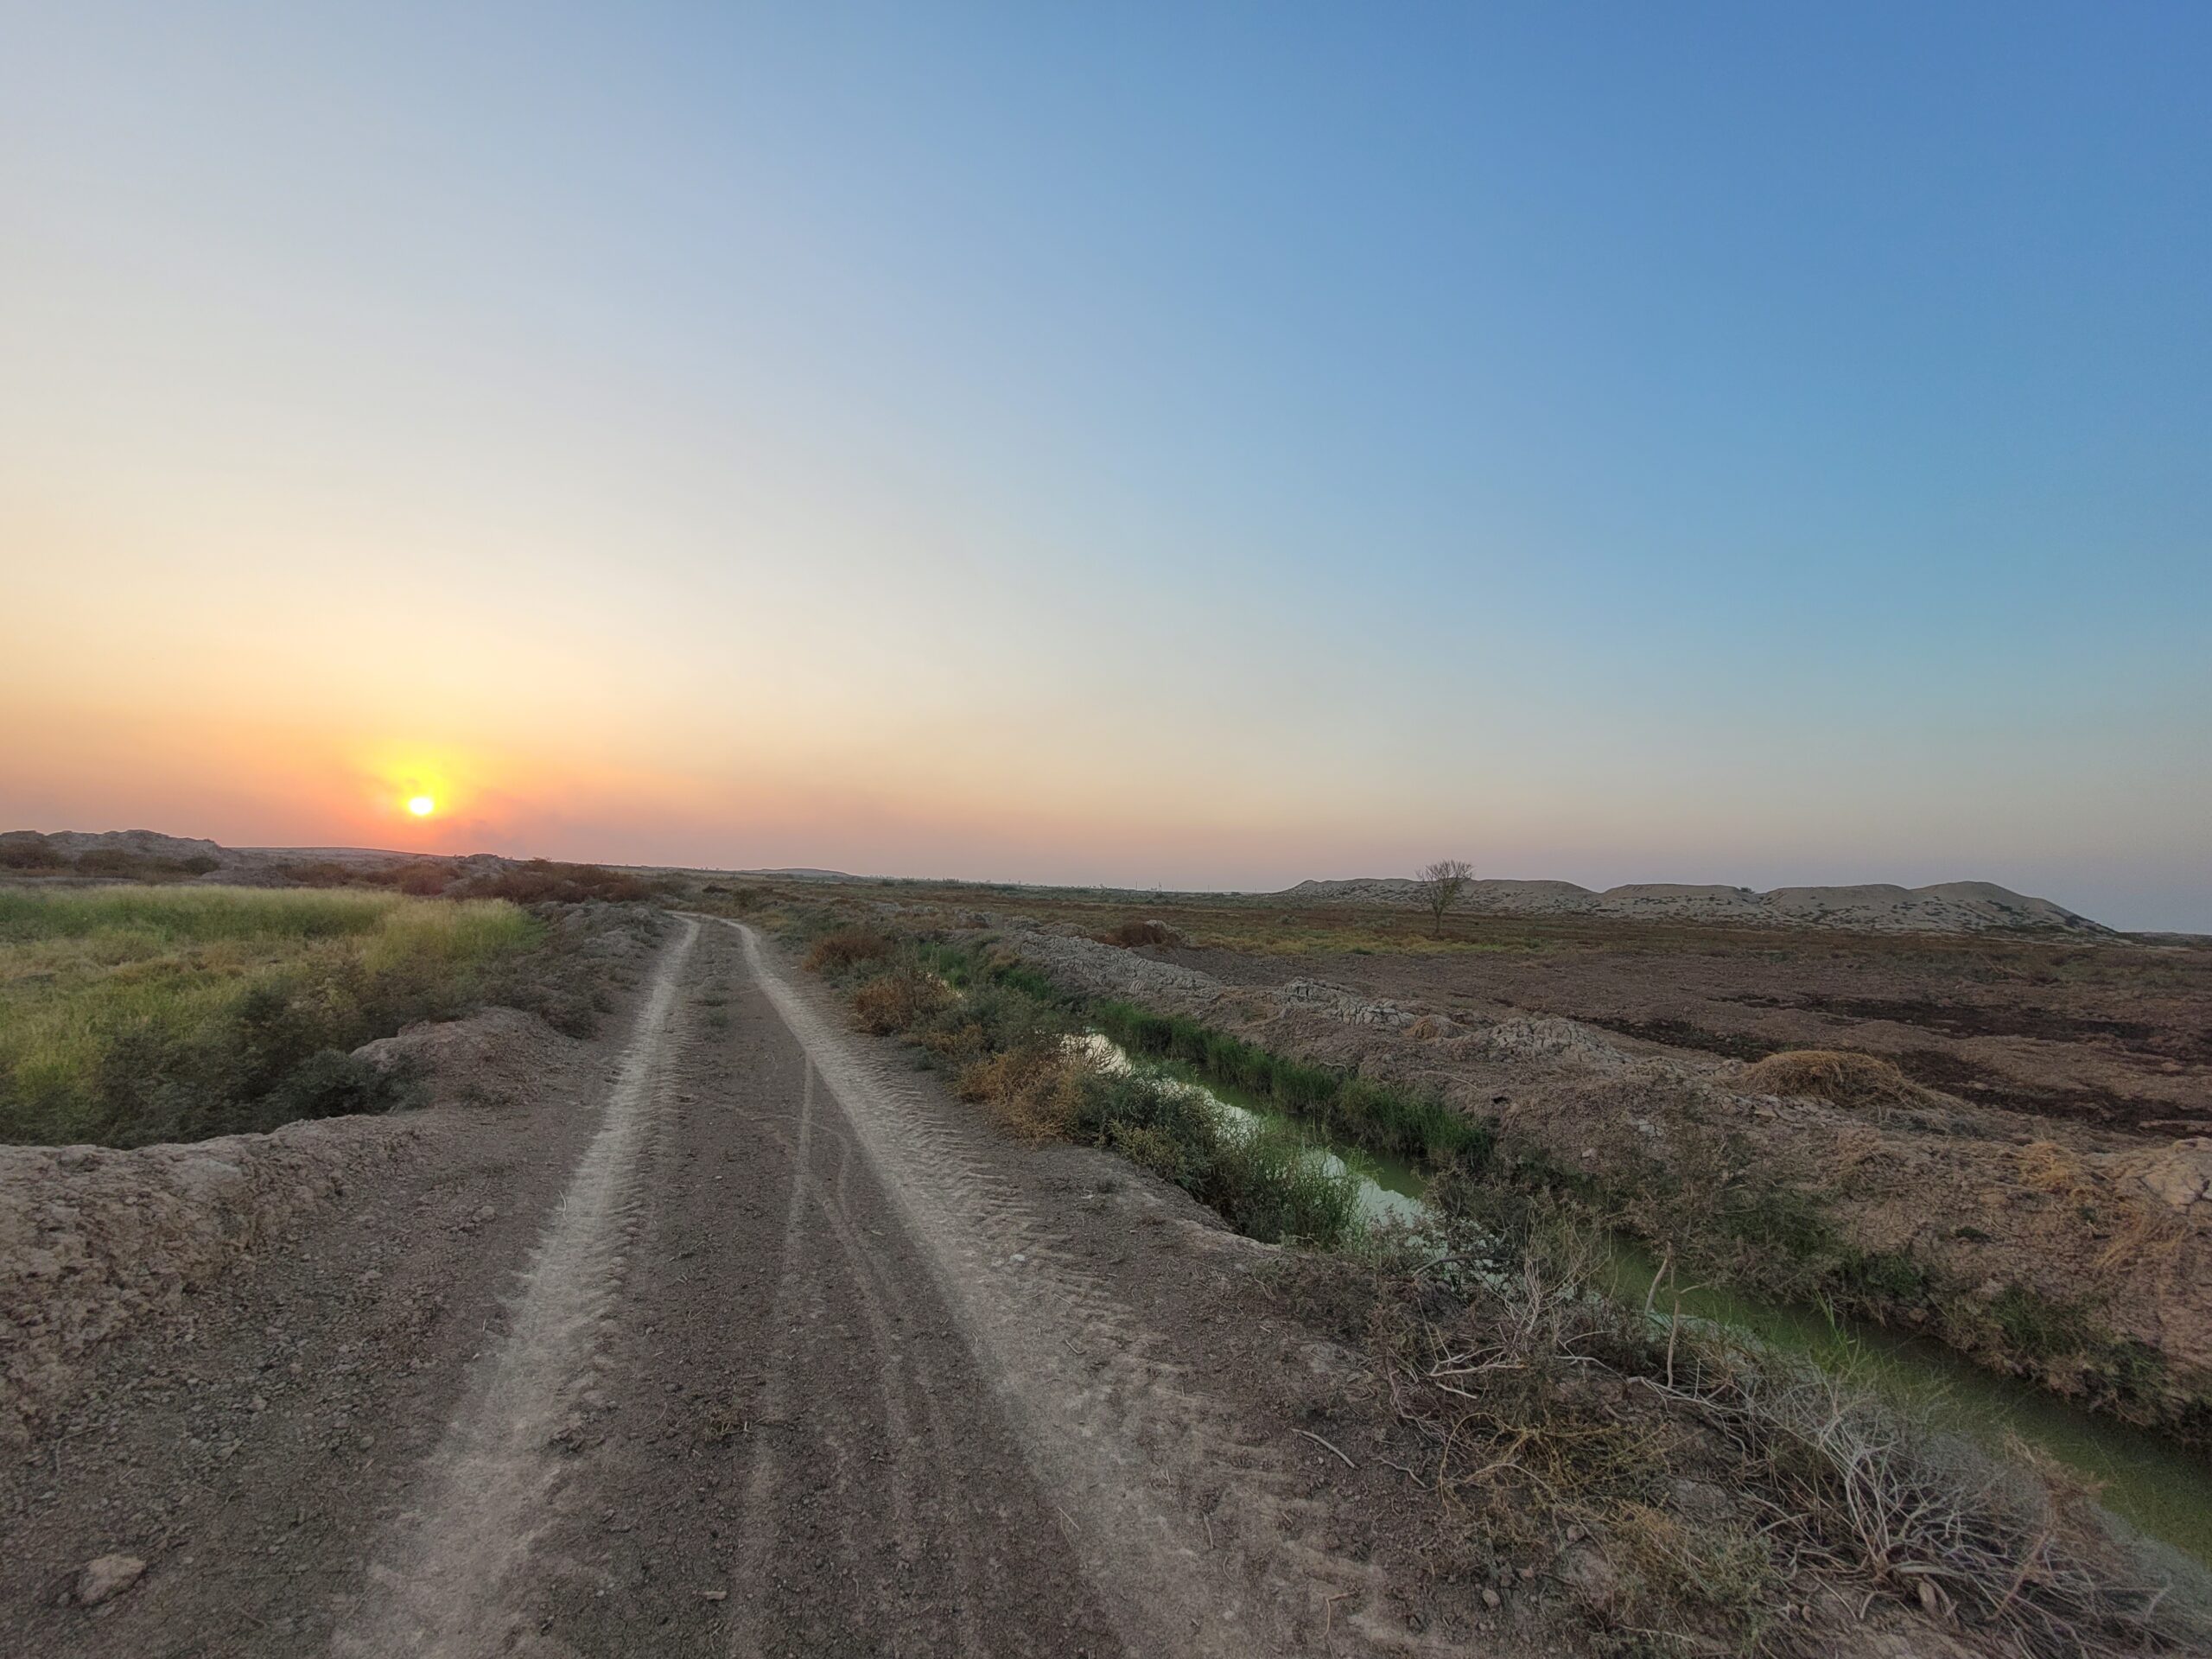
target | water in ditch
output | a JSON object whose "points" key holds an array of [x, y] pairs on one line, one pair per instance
{"points": [[2161, 1489]]}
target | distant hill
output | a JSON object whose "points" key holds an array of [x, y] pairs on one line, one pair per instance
{"points": [[1946, 907]]}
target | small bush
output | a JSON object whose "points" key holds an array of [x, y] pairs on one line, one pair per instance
{"points": [[899, 1001], [26, 849], [328, 1083], [421, 880], [846, 949], [1033, 1092], [1277, 1187]]}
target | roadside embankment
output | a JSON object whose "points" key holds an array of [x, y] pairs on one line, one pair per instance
{"points": [[96, 1241]]}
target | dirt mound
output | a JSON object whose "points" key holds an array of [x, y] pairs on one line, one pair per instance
{"points": [[1102, 969], [487, 1059], [94, 1240], [1863, 1081], [1340, 1002]]}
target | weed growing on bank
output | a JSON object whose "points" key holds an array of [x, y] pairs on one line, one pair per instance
{"points": [[1688, 1481], [1013, 1046], [1370, 1113], [130, 1015]]}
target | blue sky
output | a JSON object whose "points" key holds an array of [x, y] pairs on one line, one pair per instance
{"points": [[1184, 444]]}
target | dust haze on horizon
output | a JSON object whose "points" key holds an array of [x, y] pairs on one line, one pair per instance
{"points": [[1139, 451]]}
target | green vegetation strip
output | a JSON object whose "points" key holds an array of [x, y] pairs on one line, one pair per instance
{"points": [[1367, 1114], [130, 1015], [1009, 1039]]}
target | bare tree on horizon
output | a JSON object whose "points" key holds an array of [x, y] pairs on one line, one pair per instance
{"points": [[1439, 887]]}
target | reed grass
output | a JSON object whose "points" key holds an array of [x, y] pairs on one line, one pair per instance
{"points": [[133, 1015]]}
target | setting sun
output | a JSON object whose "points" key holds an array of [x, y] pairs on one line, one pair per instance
{"points": [[422, 806]]}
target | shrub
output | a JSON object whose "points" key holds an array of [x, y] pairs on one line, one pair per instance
{"points": [[847, 949], [1278, 1188], [328, 1083], [26, 849], [899, 1001], [1033, 1092]]}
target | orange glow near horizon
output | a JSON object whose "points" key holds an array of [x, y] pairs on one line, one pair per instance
{"points": [[421, 805]]}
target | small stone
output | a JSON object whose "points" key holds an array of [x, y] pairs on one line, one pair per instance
{"points": [[257, 1404], [107, 1578], [1574, 1534], [1527, 1575], [1492, 1600], [486, 1213], [714, 1595]]}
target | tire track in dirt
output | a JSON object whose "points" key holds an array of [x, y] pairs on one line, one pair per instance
{"points": [[446, 1583], [1107, 1421]]}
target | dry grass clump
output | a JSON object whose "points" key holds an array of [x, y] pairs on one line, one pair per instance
{"points": [[1861, 1081], [1129, 935], [906, 997], [847, 949], [1698, 1481], [2049, 1167], [1033, 1092]]}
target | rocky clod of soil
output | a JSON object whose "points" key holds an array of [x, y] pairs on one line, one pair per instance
{"points": [[2179, 1176], [108, 1577]]}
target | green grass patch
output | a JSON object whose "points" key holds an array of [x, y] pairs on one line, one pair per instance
{"points": [[130, 1015], [1373, 1114], [1005, 1031]]}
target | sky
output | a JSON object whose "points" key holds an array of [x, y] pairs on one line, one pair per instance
{"points": [[1194, 445]]}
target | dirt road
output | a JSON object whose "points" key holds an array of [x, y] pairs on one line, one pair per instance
{"points": [[743, 1338]]}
